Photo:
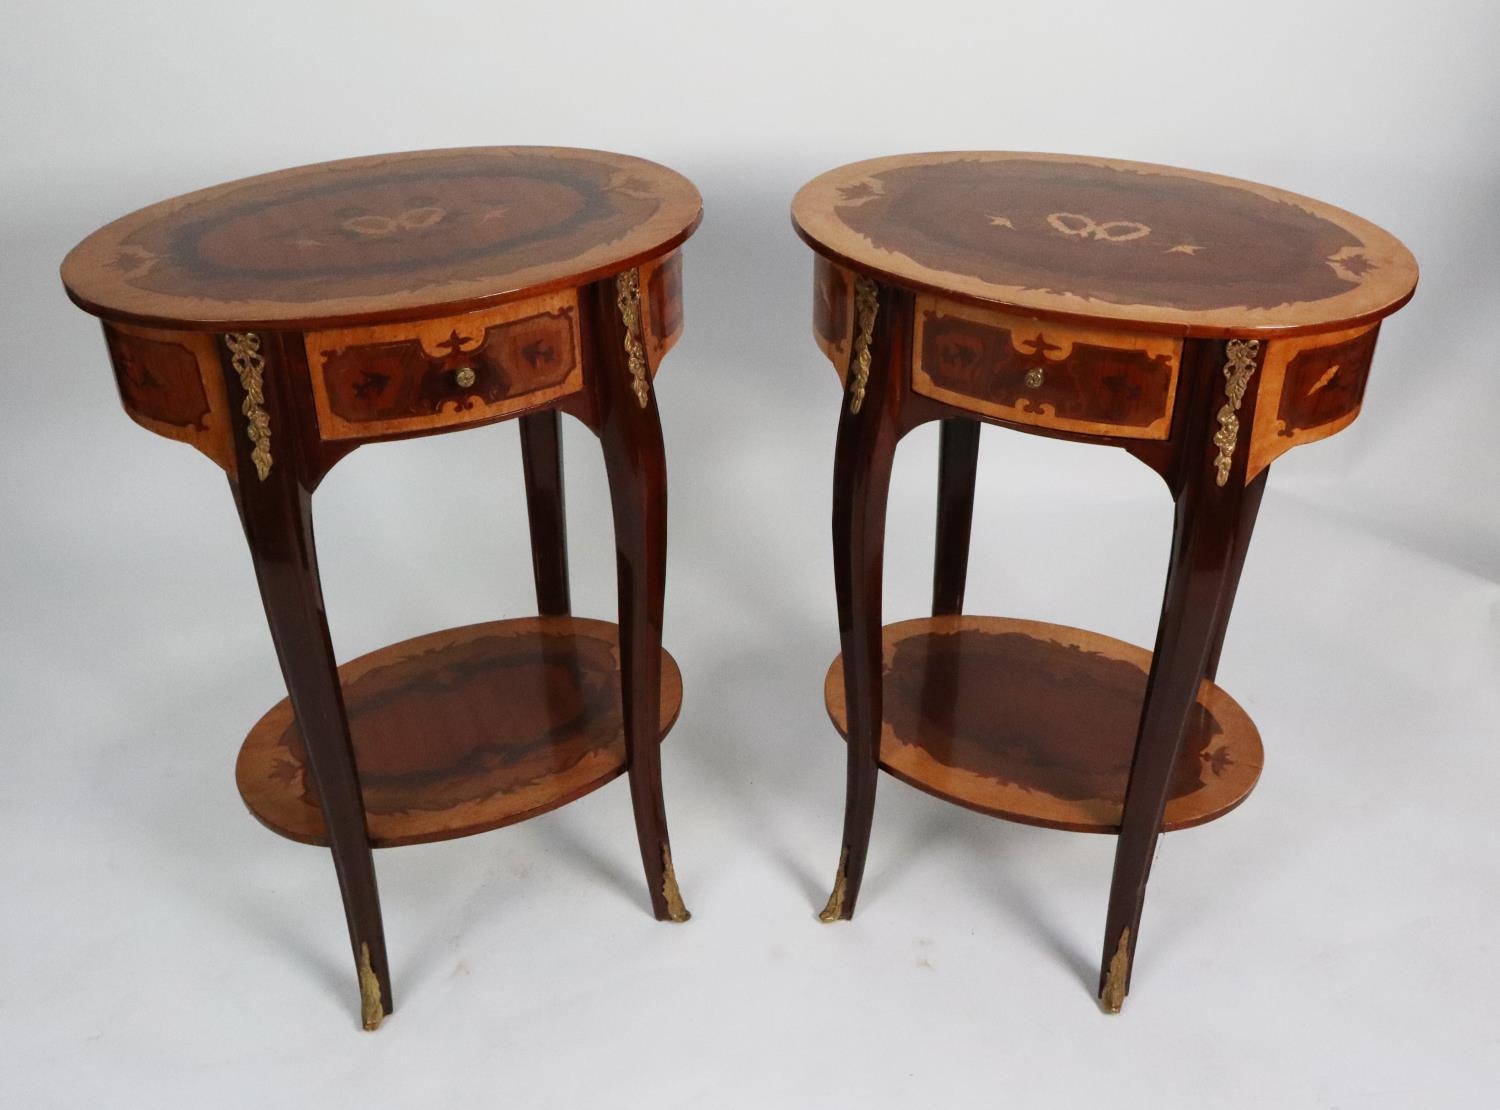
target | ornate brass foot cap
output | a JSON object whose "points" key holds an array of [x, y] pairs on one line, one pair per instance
{"points": [[676, 911], [834, 911], [371, 1011], [1112, 996]]}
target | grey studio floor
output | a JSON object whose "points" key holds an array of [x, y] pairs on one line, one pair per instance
{"points": [[1331, 943]]}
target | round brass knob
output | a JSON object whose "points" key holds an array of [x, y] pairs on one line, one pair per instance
{"points": [[1034, 377], [464, 376]]}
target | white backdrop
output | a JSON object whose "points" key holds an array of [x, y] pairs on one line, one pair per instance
{"points": [[1332, 943]]}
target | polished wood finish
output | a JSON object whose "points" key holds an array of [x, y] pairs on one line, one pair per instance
{"points": [[277, 516], [1147, 247], [402, 378], [833, 312], [366, 240], [862, 464], [958, 466], [292, 318], [542, 464], [983, 301], [661, 306], [171, 384], [1311, 388], [461, 731], [635, 463], [1072, 378], [1036, 723]]}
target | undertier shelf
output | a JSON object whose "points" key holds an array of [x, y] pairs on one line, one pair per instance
{"points": [[461, 731], [1037, 723]]}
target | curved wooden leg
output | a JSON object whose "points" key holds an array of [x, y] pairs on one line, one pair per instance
{"points": [[630, 433], [861, 482], [542, 463], [1210, 536], [958, 460], [1249, 510], [277, 515]]}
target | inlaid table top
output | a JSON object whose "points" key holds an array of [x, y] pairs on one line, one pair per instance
{"points": [[371, 239], [1148, 247]]}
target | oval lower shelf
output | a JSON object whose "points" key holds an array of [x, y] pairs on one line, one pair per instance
{"points": [[461, 731], [1036, 723]]}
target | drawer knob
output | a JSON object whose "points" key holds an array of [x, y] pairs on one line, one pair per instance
{"points": [[1034, 377], [464, 376]]}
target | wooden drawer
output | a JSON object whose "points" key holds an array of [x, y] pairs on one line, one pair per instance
{"points": [[171, 382], [1089, 380], [395, 378], [661, 306], [833, 312], [1311, 386]]}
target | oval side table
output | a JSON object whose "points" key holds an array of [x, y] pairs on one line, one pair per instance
{"points": [[277, 323], [1202, 323]]}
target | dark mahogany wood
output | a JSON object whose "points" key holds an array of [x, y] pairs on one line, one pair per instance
{"points": [[460, 731], [1249, 509], [364, 240], [1083, 299], [277, 516], [159, 380], [958, 462], [1212, 526], [1323, 384], [542, 462], [1146, 247], [1036, 723], [663, 302], [1125, 388], [384, 381], [861, 483], [278, 322], [635, 462]]}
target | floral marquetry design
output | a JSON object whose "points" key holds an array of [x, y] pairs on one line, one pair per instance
{"points": [[1157, 247], [395, 379], [1037, 723], [370, 238], [1051, 375], [461, 731]]}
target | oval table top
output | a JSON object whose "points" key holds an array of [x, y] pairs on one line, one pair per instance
{"points": [[1148, 247], [383, 237]]}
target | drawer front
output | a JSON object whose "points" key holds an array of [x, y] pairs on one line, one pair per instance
{"points": [[1311, 387], [1087, 380], [392, 379], [172, 383], [661, 306], [833, 312]]}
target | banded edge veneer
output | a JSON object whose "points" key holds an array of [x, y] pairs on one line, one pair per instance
{"points": [[1036, 723], [461, 731], [1100, 381]]}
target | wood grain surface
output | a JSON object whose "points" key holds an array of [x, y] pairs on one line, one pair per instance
{"points": [[170, 383], [1094, 381], [372, 239], [1150, 247], [461, 731], [392, 378], [1310, 388], [1037, 723]]}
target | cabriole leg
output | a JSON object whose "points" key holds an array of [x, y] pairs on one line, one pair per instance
{"points": [[542, 463], [1211, 533], [958, 460], [867, 440], [629, 430]]}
